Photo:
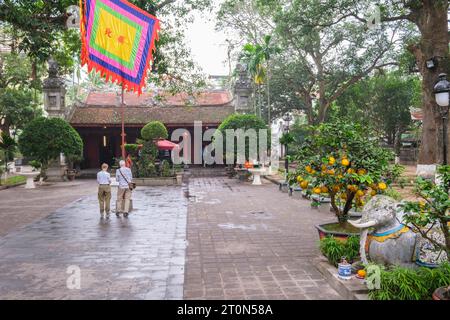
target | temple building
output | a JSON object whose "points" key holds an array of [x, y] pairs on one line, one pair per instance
{"points": [[98, 119]]}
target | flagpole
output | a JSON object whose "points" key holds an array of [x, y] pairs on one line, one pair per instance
{"points": [[123, 123]]}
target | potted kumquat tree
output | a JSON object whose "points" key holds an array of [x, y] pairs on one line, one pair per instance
{"points": [[344, 163]]}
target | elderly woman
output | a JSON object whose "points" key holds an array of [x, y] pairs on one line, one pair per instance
{"points": [[124, 177]]}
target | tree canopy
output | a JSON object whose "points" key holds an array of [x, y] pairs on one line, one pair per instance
{"points": [[45, 139]]}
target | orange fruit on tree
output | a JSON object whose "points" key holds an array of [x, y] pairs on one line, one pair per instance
{"points": [[382, 186], [331, 172], [373, 193], [313, 171], [299, 179], [324, 189], [345, 162], [324, 167], [304, 184], [317, 190], [336, 188], [308, 169], [351, 171], [331, 161], [360, 193], [362, 172]]}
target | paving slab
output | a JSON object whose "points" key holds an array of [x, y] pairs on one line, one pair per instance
{"points": [[251, 242], [141, 257]]}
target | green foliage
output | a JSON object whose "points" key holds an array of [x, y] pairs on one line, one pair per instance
{"points": [[45, 139], [11, 181], [287, 139], [165, 169], [154, 130], [146, 163], [17, 107], [132, 149], [244, 122], [386, 108], [335, 249], [35, 164], [411, 284], [8, 145], [321, 165], [393, 194], [432, 209]]}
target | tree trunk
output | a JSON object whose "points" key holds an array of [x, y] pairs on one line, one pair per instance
{"points": [[431, 19], [398, 142], [309, 109], [269, 115]]}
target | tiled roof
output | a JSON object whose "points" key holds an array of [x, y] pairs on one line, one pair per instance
{"points": [[212, 98], [103, 109]]}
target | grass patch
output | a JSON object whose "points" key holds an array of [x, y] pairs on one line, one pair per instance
{"points": [[334, 250], [11, 181], [411, 284]]}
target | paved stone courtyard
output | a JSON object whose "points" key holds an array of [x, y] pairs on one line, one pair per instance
{"points": [[251, 242], [141, 257], [215, 238]]}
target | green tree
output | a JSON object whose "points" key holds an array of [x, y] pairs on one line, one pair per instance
{"points": [[429, 20], [8, 145], [258, 58], [154, 130], [17, 93], [17, 108], [45, 139], [343, 160], [432, 209], [38, 28], [243, 122], [383, 102]]}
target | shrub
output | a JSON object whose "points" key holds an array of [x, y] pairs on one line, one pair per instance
{"points": [[335, 249], [132, 149], [410, 284], [165, 169], [45, 139], [153, 131], [432, 209], [344, 161], [244, 122], [146, 164]]}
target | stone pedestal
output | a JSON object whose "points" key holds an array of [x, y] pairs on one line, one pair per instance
{"points": [[56, 171]]}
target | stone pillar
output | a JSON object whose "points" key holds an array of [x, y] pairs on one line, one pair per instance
{"points": [[243, 91], [54, 92], [55, 105]]}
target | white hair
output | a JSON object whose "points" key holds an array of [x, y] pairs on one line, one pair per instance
{"points": [[122, 163]]}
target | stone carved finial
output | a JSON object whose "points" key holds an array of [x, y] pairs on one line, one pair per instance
{"points": [[243, 81], [54, 91], [242, 90], [52, 68]]}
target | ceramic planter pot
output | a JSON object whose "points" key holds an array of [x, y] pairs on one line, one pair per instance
{"points": [[323, 232]]}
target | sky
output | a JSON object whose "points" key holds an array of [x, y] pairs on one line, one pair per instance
{"points": [[208, 47]]}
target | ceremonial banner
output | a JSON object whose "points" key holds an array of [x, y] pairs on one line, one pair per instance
{"points": [[118, 39]]}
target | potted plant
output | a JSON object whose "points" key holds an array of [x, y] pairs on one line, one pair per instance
{"points": [[430, 215], [344, 161]]}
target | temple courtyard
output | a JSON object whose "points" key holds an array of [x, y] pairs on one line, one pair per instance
{"points": [[212, 238]]}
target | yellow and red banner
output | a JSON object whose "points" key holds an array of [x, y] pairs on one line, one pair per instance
{"points": [[118, 39]]}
